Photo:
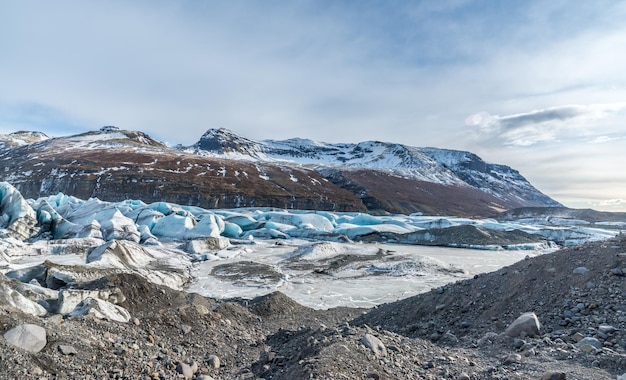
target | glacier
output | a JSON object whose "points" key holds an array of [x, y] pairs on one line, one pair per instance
{"points": [[321, 259]]}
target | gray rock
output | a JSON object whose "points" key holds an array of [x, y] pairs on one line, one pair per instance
{"points": [[213, 361], [593, 342], [185, 370], [28, 337], [36, 371], [67, 350], [512, 359], [374, 344], [488, 338], [204, 377], [526, 324], [606, 328], [580, 270]]}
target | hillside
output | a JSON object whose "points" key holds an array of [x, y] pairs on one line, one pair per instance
{"points": [[455, 332], [224, 170]]}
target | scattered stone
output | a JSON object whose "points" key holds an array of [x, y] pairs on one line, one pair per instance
{"points": [[580, 270], [487, 338], [463, 376], [374, 344], [213, 361], [185, 370], [526, 324], [589, 341], [512, 359], [577, 337], [606, 328], [28, 337], [36, 371], [67, 349]]}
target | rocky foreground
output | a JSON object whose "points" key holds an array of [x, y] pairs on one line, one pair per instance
{"points": [[466, 330]]}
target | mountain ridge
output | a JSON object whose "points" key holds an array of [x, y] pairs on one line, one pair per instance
{"points": [[225, 170], [435, 165]]}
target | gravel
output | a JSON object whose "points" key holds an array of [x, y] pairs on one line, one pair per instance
{"points": [[455, 332]]}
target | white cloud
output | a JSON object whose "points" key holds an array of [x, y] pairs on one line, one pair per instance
{"points": [[612, 202], [550, 124], [408, 72]]}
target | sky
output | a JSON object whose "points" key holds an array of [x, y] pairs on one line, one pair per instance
{"points": [[537, 85]]}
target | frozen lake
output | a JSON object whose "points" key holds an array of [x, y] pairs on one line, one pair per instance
{"points": [[366, 283]]}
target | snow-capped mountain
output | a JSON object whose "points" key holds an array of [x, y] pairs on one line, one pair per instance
{"points": [[225, 170], [436, 166]]}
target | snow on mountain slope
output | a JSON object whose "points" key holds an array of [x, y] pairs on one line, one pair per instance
{"points": [[225, 170], [21, 138], [116, 164], [399, 159], [440, 166]]}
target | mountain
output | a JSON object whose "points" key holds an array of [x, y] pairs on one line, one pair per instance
{"points": [[225, 170], [114, 165], [390, 176]]}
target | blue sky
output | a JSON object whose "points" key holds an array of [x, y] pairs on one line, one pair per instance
{"points": [[536, 85]]}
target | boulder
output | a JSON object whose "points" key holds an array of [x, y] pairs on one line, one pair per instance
{"points": [[374, 344], [589, 341], [526, 324], [28, 337]]}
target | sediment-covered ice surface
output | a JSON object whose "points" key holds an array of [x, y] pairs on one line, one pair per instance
{"points": [[322, 259]]}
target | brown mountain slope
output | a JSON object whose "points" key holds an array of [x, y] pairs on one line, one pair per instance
{"points": [[137, 167], [384, 192]]}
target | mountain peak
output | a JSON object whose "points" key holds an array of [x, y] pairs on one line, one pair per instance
{"points": [[112, 136], [438, 166], [225, 141]]}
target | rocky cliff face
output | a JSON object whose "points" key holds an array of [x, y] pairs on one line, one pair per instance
{"points": [[224, 170]]}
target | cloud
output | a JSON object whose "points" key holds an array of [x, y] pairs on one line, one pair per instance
{"points": [[331, 71], [544, 125], [613, 202]]}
